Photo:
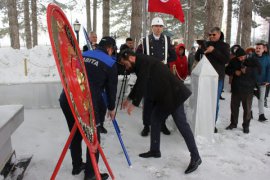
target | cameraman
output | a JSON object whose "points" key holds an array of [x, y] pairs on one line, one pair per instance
{"points": [[243, 68], [218, 53]]}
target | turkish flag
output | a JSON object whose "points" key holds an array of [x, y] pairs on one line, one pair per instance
{"points": [[172, 7]]}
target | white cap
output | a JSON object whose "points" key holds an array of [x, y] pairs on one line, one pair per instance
{"points": [[157, 21]]}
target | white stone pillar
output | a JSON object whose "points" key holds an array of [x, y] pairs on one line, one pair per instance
{"points": [[204, 85]]}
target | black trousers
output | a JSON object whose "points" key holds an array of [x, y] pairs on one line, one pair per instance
{"points": [[236, 99], [148, 106], [76, 143], [179, 117]]}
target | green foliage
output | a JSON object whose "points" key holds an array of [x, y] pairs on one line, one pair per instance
{"points": [[120, 17], [262, 8]]}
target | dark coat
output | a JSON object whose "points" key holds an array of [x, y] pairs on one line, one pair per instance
{"points": [[218, 57], [244, 83], [155, 81], [102, 75], [157, 48]]}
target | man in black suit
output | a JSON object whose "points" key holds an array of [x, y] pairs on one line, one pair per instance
{"points": [[152, 77]]}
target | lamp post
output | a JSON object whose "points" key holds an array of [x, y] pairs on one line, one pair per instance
{"points": [[77, 26]]}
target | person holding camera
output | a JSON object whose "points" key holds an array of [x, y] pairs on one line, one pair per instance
{"points": [[218, 53], [243, 70]]}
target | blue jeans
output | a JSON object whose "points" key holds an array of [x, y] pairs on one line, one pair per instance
{"points": [[220, 87]]}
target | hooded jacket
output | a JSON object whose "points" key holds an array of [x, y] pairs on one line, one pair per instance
{"points": [[181, 63]]}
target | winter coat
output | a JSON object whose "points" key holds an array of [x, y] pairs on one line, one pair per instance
{"points": [[102, 75], [157, 48], [155, 81], [218, 57], [264, 60], [181, 63], [246, 82]]}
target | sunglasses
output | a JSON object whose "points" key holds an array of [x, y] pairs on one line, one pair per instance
{"points": [[212, 35]]}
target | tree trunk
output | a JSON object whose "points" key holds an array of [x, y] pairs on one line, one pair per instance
{"points": [[27, 25], [88, 15], [214, 13], [145, 19], [13, 24], [34, 22], [136, 21], [246, 24], [229, 22], [106, 18], [240, 17], [95, 15], [190, 27]]}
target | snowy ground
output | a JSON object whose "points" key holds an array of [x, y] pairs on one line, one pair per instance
{"points": [[233, 155]]}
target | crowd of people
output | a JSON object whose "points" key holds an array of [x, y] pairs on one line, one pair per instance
{"points": [[161, 70]]}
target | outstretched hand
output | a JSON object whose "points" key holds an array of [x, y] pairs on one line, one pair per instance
{"points": [[128, 105], [111, 114]]}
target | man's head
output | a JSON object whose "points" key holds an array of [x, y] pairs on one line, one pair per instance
{"points": [[259, 49], [129, 43], [214, 34], [93, 37], [240, 54], [128, 58], [157, 26], [107, 44]]}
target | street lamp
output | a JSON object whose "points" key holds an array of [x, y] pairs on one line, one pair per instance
{"points": [[77, 26]]}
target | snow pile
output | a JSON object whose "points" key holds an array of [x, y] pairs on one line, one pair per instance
{"points": [[21, 66]]}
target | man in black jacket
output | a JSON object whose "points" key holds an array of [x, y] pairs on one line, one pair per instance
{"points": [[102, 75], [152, 78], [159, 46], [243, 71], [218, 53]]}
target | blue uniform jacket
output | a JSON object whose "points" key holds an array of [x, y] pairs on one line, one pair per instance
{"points": [[102, 75]]}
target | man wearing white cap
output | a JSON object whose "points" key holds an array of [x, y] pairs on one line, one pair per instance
{"points": [[159, 46]]}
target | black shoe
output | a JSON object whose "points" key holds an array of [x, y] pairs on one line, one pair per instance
{"points": [[246, 130], [230, 127], [215, 130], [221, 98], [103, 129], [155, 154], [104, 176], [145, 131], [262, 118], [76, 170], [165, 130], [193, 165]]}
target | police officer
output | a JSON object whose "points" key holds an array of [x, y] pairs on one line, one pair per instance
{"points": [[151, 75], [102, 75], [159, 46]]}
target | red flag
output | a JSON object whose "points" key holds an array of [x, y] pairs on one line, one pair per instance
{"points": [[172, 7]]}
